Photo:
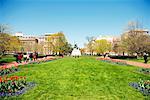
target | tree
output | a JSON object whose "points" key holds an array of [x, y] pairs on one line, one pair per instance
{"points": [[102, 46], [57, 43], [4, 28], [66, 49], [82, 50], [135, 39], [117, 46], [60, 41], [7, 41], [15, 44], [4, 42], [90, 45]]}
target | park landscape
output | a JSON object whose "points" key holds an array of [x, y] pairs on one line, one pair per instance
{"points": [[85, 66]]}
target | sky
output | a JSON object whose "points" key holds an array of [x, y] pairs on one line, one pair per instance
{"points": [[76, 18]]}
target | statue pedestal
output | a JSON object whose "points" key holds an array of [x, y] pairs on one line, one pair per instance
{"points": [[76, 52]]}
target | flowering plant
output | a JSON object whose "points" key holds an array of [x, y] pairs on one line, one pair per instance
{"points": [[142, 86], [145, 70], [5, 70], [42, 60], [12, 84]]}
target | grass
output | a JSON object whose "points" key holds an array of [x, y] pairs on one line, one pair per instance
{"points": [[7, 59], [82, 78], [140, 59]]}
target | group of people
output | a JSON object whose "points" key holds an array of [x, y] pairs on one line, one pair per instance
{"points": [[26, 57]]}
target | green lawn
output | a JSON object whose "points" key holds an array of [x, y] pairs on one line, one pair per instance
{"points": [[140, 59], [7, 59], [82, 78]]}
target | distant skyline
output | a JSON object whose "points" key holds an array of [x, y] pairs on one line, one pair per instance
{"points": [[76, 18]]}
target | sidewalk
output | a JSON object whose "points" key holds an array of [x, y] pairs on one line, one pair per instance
{"points": [[139, 64], [9, 65], [133, 63]]}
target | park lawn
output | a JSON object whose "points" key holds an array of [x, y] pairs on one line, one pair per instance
{"points": [[83, 78], [7, 59], [140, 59]]}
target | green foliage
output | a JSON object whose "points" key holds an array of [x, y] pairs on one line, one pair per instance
{"points": [[9, 43], [7, 59], [102, 46], [66, 48], [57, 43]]}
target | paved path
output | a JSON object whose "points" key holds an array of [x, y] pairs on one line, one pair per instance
{"points": [[139, 64], [8, 65]]}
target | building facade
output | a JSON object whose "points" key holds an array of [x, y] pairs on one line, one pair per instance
{"points": [[31, 43]]}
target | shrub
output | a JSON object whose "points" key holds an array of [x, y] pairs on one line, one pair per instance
{"points": [[123, 57]]}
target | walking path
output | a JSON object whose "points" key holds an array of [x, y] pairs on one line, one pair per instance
{"points": [[139, 64], [9, 65]]}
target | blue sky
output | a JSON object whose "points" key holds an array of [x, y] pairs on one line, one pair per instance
{"points": [[76, 18]]}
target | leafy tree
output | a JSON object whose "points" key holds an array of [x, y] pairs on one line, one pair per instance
{"points": [[57, 43], [15, 44], [102, 46], [7, 41], [66, 49], [4, 42]]}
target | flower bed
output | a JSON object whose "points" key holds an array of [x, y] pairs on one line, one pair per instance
{"points": [[10, 68], [42, 60], [145, 70], [142, 86], [14, 85], [5, 70]]}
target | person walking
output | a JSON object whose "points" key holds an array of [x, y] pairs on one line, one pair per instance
{"points": [[19, 57], [34, 56], [28, 58], [25, 57], [31, 56], [145, 57]]}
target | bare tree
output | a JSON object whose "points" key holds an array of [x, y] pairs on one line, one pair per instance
{"points": [[135, 39], [90, 44], [4, 28]]}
